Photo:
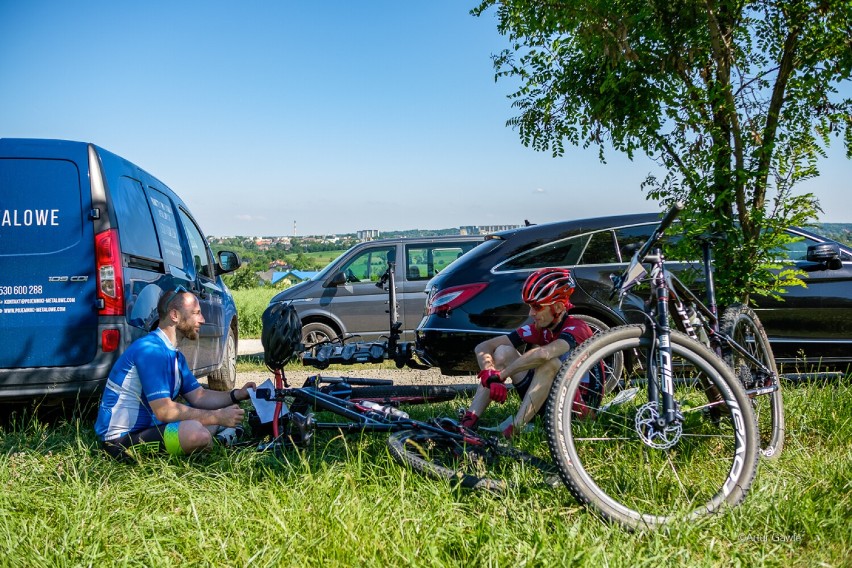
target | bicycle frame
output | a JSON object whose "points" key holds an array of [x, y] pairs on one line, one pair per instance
{"points": [[362, 417], [708, 318]]}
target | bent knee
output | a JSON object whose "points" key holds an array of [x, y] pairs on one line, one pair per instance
{"points": [[505, 354], [194, 436]]}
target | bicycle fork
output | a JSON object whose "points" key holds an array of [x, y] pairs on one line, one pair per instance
{"points": [[661, 384]]}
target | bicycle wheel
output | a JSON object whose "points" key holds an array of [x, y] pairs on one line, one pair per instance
{"points": [[469, 463], [741, 324], [405, 394], [615, 364], [616, 458]]}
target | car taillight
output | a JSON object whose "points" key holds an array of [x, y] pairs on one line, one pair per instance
{"points": [[451, 298], [109, 274]]}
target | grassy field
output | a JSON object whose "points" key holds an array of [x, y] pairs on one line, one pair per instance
{"points": [[344, 502], [250, 305]]}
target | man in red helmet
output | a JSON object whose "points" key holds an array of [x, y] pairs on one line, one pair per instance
{"points": [[548, 341]]}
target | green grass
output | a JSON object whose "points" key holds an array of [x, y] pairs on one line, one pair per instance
{"points": [[344, 502], [250, 305]]}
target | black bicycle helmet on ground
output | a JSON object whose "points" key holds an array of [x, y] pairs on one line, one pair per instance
{"points": [[281, 336]]}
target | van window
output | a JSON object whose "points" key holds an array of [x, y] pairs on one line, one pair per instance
{"points": [[134, 219], [369, 265], [164, 216], [197, 247], [423, 261]]}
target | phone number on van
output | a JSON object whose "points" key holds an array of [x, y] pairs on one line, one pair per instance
{"points": [[20, 290]]}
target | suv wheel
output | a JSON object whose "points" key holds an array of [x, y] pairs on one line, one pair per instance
{"points": [[225, 378], [316, 332]]}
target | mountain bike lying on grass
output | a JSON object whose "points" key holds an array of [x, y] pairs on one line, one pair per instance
{"points": [[692, 451], [438, 447]]}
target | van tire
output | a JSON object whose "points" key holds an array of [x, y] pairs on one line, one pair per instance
{"points": [[315, 332], [225, 378]]}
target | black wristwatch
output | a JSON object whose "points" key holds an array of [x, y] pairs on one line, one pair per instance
{"points": [[233, 397]]}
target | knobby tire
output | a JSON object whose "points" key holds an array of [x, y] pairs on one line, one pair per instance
{"points": [[468, 466], [615, 461], [741, 324]]}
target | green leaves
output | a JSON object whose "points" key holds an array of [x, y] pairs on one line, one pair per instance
{"points": [[736, 100]]}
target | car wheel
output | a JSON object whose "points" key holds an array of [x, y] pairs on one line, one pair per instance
{"points": [[315, 332], [225, 378]]}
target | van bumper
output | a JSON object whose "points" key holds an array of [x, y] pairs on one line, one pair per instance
{"points": [[84, 381]]}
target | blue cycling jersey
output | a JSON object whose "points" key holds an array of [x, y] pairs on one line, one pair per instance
{"points": [[150, 369]]}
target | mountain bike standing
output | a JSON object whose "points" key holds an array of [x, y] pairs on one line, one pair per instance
{"points": [[549, 340]]}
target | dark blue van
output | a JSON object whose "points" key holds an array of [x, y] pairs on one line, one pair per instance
{"points": [[88, 243]]}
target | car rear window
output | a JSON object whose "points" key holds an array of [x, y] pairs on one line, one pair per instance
{"points": [[559, 253]]}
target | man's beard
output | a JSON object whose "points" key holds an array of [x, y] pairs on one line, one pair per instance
{"points": [[187, 329]]}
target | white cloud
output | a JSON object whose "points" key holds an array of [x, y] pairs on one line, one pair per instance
{"points": [[539, 191]]}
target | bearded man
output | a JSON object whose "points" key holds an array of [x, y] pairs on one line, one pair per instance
{"points": [[139, 406]]}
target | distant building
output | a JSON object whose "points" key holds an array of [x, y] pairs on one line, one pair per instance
{"points": [[368, 234], [292, 276], [484, 229]]}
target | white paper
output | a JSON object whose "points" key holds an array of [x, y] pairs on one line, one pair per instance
{"points": [[266, 408]]}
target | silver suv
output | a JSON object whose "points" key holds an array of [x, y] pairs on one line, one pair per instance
{"points": [[344, 299]]}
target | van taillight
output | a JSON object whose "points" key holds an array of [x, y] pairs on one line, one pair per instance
{"points": [[446, 300], [109, 274]]}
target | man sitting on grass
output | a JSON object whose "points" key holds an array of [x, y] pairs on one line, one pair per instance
{"points": [[138, 405], [546, 343]]}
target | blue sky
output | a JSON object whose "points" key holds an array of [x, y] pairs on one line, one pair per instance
{"points": [[336, 115]]}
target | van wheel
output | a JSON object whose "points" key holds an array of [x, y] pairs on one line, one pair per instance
{"points": [[314, 332], [225, 378]]}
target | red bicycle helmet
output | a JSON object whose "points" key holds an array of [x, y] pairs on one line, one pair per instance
{"points": [[548, 286]]}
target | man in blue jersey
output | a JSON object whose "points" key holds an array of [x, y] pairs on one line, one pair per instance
{"points": [[139, 403]]}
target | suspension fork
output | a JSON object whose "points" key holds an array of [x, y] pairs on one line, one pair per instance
{"points": [[664, 387]]}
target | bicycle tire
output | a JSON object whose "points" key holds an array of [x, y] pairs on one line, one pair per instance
{"points": [[661, 484], [466, 465], [613, 367], [405, 394], [741, 324]]}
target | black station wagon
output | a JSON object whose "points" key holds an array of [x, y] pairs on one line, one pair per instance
{"points": [[479, 296]]}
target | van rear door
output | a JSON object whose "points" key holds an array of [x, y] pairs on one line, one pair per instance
{"points": [[48, 314]]}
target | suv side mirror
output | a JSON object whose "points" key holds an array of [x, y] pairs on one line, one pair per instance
{"points": [[228, 262], [827, 254], [338, 279]]}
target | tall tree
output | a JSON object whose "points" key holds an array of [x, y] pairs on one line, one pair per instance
{"points": [[735, 99]]}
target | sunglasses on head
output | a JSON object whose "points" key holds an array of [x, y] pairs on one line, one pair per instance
{"points": [[173, 294], [538, 307]]}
